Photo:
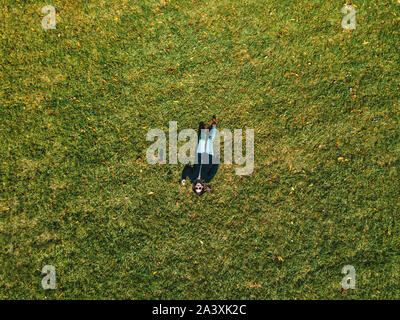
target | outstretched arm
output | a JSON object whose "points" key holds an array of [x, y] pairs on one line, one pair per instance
{"points": [[187, 172]]}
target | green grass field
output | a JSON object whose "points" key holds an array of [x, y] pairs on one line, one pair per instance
{"points": [[76, 189]]}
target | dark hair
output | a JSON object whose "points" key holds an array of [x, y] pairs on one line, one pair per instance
{"points": [[206, 187]]}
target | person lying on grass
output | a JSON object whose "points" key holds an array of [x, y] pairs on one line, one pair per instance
{"points": [[206, 166]]}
